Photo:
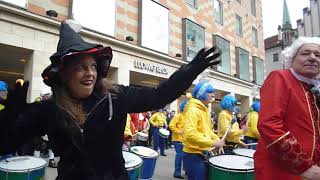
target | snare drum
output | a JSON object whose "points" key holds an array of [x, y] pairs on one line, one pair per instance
{"points": [[244, 152], [142, 136], [22, 168], [133, 165], [149, 157], [231, 167], [164, 133]]}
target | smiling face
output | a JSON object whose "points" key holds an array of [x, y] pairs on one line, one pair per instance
{"points": [[307, 60], [80, 75]]}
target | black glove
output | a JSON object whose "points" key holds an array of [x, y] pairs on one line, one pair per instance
{"points": [[206, 58], [16, 100]]}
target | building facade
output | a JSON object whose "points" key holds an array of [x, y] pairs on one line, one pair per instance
{"points": [[150, 40], [310, 24]]}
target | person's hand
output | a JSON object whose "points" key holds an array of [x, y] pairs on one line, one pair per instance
{"points": [[313, 173], [219, 144], [244, 129], [208, 57], [17, 97], [220, 150], [181, 132]]}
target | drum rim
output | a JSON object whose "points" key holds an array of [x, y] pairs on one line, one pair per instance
{"points": [[146, 157], [243, 154], [135, 167], [25, 170], [231, 169]]}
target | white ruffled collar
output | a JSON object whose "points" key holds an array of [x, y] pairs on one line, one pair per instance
{"points": [[309, 81]]}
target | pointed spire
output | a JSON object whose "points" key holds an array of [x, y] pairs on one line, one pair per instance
{"points": [[286, 22]]}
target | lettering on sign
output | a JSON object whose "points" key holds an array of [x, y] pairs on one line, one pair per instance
{"points": [[150, 67]]}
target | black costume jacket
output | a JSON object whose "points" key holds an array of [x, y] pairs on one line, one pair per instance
{"points": [[93, 151]]}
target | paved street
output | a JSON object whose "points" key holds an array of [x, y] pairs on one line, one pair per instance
{"points": [[164, 168]]}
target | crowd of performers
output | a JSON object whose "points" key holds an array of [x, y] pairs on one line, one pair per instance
{"points": [[90, 121]]}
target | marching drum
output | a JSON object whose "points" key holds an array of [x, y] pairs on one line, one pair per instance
{"points": [[133, 165], [22, 168], [164, 133], [142, 136], [231, 167], [149, 157], [244, 152]]}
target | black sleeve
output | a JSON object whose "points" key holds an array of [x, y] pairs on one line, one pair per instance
{"points": [[141, 99], [17, 129]]}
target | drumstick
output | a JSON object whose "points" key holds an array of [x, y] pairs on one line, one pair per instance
{"points": [[251, 144], [226, 133]]}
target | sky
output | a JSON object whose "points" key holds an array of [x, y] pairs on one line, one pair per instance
{"points": [[272, 14]]}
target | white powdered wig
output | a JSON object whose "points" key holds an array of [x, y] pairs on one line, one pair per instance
{"points": [[290, 52]]}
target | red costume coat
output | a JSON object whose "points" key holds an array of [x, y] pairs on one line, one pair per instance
{"points": [[289, 128]]}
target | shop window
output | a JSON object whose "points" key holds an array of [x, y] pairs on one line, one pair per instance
{"points": [[224, 45], [96, 15], [21, 3], [193, 39], [154, 28], [238, 25], [243, 64], [218, 11], [258, 70]]}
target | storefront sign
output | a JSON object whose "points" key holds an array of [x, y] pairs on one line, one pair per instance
{"points": [[150, 67]]}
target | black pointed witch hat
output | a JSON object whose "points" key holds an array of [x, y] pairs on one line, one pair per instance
{"points": [[71, 44]]}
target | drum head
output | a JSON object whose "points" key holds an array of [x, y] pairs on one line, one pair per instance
{"points": [[132, 161], [232, 162], [142, 134], [144, 151], [164, 132], [244, 152], [22, 164]]}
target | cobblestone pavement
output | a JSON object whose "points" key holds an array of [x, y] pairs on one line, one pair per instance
{"points": [[164, 168]]}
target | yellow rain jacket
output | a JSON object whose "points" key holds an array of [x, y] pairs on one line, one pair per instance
{"points": [[198, 131], [252, 125], [127, 130], [158, 119], [2, 107], [176, 126], [224, 122]]}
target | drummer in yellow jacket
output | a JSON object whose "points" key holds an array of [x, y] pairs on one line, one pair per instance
{"points": [[158, 120], [129, 133], [228, 106], [198, 133], [253, 135], [176, 126]]}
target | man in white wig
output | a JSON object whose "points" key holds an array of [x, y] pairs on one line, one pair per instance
{"points": [[289, 146]]}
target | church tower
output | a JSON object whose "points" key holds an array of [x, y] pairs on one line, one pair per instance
{"points": [[288, 34]]}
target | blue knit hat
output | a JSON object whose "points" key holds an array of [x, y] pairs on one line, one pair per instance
{"points": [[3, 86], [256, 106], [201, 90], [183, 105], [228, 102]]}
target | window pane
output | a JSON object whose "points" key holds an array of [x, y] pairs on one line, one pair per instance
{"points": [[275, 57], [218, 11], [21, 3], [192, 2], [254, 36], [238, 25], [259, 71], [96, 15], [243, 64], [224, 45], [253, 7], [194, 39]]}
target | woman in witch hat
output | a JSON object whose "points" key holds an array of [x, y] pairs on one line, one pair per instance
{"points": [[86, 115]]}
